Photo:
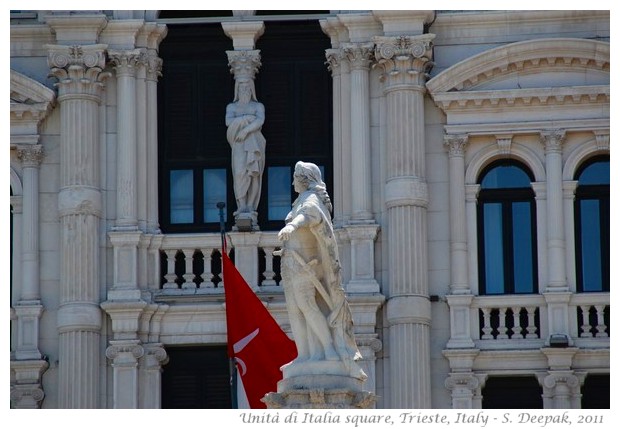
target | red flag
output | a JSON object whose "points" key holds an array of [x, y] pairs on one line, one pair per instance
{"points": [[255, 339]]}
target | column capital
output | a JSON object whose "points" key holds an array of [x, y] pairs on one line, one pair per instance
{"points": [[359, 55], [334, 61], [30, 155], [553, 140], [79, 69], [155, 355], [466, 380], [456, 144], [154, 65], [244, 64], [118, 348], [405, 59], [126, 61]]}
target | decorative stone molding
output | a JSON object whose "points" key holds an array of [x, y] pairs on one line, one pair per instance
{"points": [[79, 69], [406, 191], [31, 155], [26, 388], [526, 56], [244, 64], [154, 65], [155, 356], [553, 140], [404, 59], [462, 381], [456, 144]]}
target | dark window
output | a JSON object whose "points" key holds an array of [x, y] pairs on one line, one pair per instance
{"points": [[592, 226], [507, 230], [596, 391], [294, 85], [196, 377], [512, 393]]}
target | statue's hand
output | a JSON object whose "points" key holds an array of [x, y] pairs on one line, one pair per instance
{"points": [[285, 233]]}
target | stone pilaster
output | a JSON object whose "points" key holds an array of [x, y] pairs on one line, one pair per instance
{"points": [[459, 283], [125, 64], [561, 384], [153, 71], [471, 199], [556, 247], [150, 370], [362, 239], [246, 256], [404, 62], [465, 390], [124, 355], [26, 388], [335, 64], [359, 56], [79, 70], [569, 187]]}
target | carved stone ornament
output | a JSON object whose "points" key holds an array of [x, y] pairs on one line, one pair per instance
{"points": [[466, 381], [115, 351], [553, 140], [31, 155], [154, 65], [244, 64], [456, 144], [79, 69], [602, 140], [125, 62], [360, 55], [552, 380], [404, 59], [334, 60]]}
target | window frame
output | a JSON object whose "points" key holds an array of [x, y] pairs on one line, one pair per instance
{"points": [[600, 193], [506, 197]]}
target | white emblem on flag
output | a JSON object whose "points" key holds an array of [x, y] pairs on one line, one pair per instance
{"points": [[240, 345]]}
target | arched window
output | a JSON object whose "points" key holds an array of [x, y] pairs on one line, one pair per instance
{"points": [[506, 230], [592, 225]]}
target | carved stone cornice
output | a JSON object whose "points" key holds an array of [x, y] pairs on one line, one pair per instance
{"points": [[456, 144], [552, 140], [30, 155], [126, 62], [244, 64], [405, 60], [360, 55], [79, 69]]}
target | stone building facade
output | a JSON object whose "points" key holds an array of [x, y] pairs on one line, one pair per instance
{"points": [[466, 152]]}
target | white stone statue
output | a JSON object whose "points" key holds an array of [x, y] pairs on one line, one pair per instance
{"points": [[319, 313], [244, 118]]}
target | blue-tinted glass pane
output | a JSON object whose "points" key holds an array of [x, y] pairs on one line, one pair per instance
{"points": [[591, 246], [596, 173], [181, 196], [523, 248], [505, 176], [279, 181], [493, 248], [214, 185]]}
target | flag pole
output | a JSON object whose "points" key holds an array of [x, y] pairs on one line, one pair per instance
{"points": [[231, 361]]}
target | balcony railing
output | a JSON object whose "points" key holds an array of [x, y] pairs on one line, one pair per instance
{"points": [[503, 320], [191, 263]]}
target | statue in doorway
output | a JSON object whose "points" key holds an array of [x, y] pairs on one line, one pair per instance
{"points": [[244, 118]]}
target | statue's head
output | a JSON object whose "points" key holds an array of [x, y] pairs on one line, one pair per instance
{"points": [[245, 90], [308, 174]]}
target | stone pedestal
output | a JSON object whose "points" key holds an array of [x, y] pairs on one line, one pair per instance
{"points": [[321, 384]]}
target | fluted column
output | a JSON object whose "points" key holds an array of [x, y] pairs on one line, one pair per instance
{"points": [[79, 72], [404, 62], [556, 265], [125, 63], [359, 57]]}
